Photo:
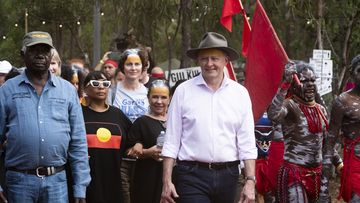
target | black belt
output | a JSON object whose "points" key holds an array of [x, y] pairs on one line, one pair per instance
{"points": [[40, 171], [214, 166]]}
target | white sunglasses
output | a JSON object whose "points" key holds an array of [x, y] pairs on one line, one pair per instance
{"points": [[97, 83]]}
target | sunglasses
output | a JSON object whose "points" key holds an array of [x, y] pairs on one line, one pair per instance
{"points": [[97, 83]]}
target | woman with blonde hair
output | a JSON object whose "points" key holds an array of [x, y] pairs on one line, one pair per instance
{"points": [[55, 65]]}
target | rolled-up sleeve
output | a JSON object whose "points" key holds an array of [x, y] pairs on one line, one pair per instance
{"points": [[246, 143]]}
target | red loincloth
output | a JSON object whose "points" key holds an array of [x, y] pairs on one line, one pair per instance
{"points": [[291, 174], [275, 161], [350, 176]]}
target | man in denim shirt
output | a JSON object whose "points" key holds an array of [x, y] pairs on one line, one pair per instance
{"points": [[42, 123]]}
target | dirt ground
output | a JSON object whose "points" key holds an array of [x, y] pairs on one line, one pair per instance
{"points": [[334, 189]]}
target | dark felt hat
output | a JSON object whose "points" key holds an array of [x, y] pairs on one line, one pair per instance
{"points": [[213, 40], [37, 37]]}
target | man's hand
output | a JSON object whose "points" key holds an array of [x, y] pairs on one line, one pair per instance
{"points": [[79, 200], [168, 193], [3, 198], [248, 192], [290, 70]]}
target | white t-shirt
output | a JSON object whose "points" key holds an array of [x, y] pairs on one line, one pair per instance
{"points": [[133, 103]]}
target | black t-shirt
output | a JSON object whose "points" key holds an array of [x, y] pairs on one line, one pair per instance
{"points": [[148, 172], [106, 136]]}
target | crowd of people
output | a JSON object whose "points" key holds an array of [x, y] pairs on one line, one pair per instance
{"points": [[121, 134]]}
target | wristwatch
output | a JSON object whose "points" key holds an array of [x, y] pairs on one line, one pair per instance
{"points": [[252, 178]]}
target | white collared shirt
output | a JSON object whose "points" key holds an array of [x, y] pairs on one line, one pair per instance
{"points": [[209, 126]]}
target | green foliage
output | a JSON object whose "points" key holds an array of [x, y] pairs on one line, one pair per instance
{"points": [[156, 24]]}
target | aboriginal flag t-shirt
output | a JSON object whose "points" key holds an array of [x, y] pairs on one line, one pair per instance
{"points": [[106, 132]]}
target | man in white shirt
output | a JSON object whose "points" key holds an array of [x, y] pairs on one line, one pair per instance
{"points": [[210, 129]]}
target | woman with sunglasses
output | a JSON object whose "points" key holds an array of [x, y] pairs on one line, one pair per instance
{"points": [[106, 128], [130, 97], [143, 135]]}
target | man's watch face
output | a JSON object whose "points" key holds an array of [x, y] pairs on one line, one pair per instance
{"points": [[253, 178]]}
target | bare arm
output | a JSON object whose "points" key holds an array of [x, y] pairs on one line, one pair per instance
{"points": [[277, 111], [248, 192], [337, 114], [101, 62], [168, 192]]}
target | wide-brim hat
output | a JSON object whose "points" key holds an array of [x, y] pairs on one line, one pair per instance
{"points": [[213, 40], [37, 37]]}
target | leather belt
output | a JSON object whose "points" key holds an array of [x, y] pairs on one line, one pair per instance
{"points": [[211, 166], [40, 171]]}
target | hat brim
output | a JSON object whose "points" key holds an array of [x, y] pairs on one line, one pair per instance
{"points": [[230, 52], [39, 42]]}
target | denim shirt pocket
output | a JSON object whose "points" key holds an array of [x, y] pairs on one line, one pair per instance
{"points": [[21, 102], [59, 109]]}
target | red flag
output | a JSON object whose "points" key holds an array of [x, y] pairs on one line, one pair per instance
{"points": [[245, 36], [230, 71], [265, 62], [231, 8]]}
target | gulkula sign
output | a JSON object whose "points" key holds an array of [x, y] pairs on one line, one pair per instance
{"points": [[182, 74]]}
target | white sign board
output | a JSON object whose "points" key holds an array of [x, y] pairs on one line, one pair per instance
{"points": [[321, 54], [324, 85], [323, 68], [182, 74]]}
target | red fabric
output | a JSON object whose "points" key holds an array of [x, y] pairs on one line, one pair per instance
{"points": [[112, 62], [285, 85], [230, 70], [349, 86], [275, 160], [308, 177], [314, 117], [230, 8], [113, 143], [350, 175], [262, 183], [265, 62], [233, 7], [158, 75], [245, 36]]}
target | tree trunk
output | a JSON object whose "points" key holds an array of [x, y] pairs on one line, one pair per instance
{"points": [[97, 35], [185, 9], [288, 28], [344, 74], [319, 24]]}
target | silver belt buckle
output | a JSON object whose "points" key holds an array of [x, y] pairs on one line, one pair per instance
{"points": [[37, 172]]}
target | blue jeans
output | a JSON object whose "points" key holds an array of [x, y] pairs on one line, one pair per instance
{"points": [[196, 184], [27, 188]]}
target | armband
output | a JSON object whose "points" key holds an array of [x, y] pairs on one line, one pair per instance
{"points": [[285, 85]]}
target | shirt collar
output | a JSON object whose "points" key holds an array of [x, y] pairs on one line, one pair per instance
{"points": [[51, 80], [199, 80]]}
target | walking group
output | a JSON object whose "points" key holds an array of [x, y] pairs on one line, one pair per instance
{"points": [[120, 134]]}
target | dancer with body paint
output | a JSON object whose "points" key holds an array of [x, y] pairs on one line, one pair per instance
{"points": [[304, 123], [345, 116]]}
